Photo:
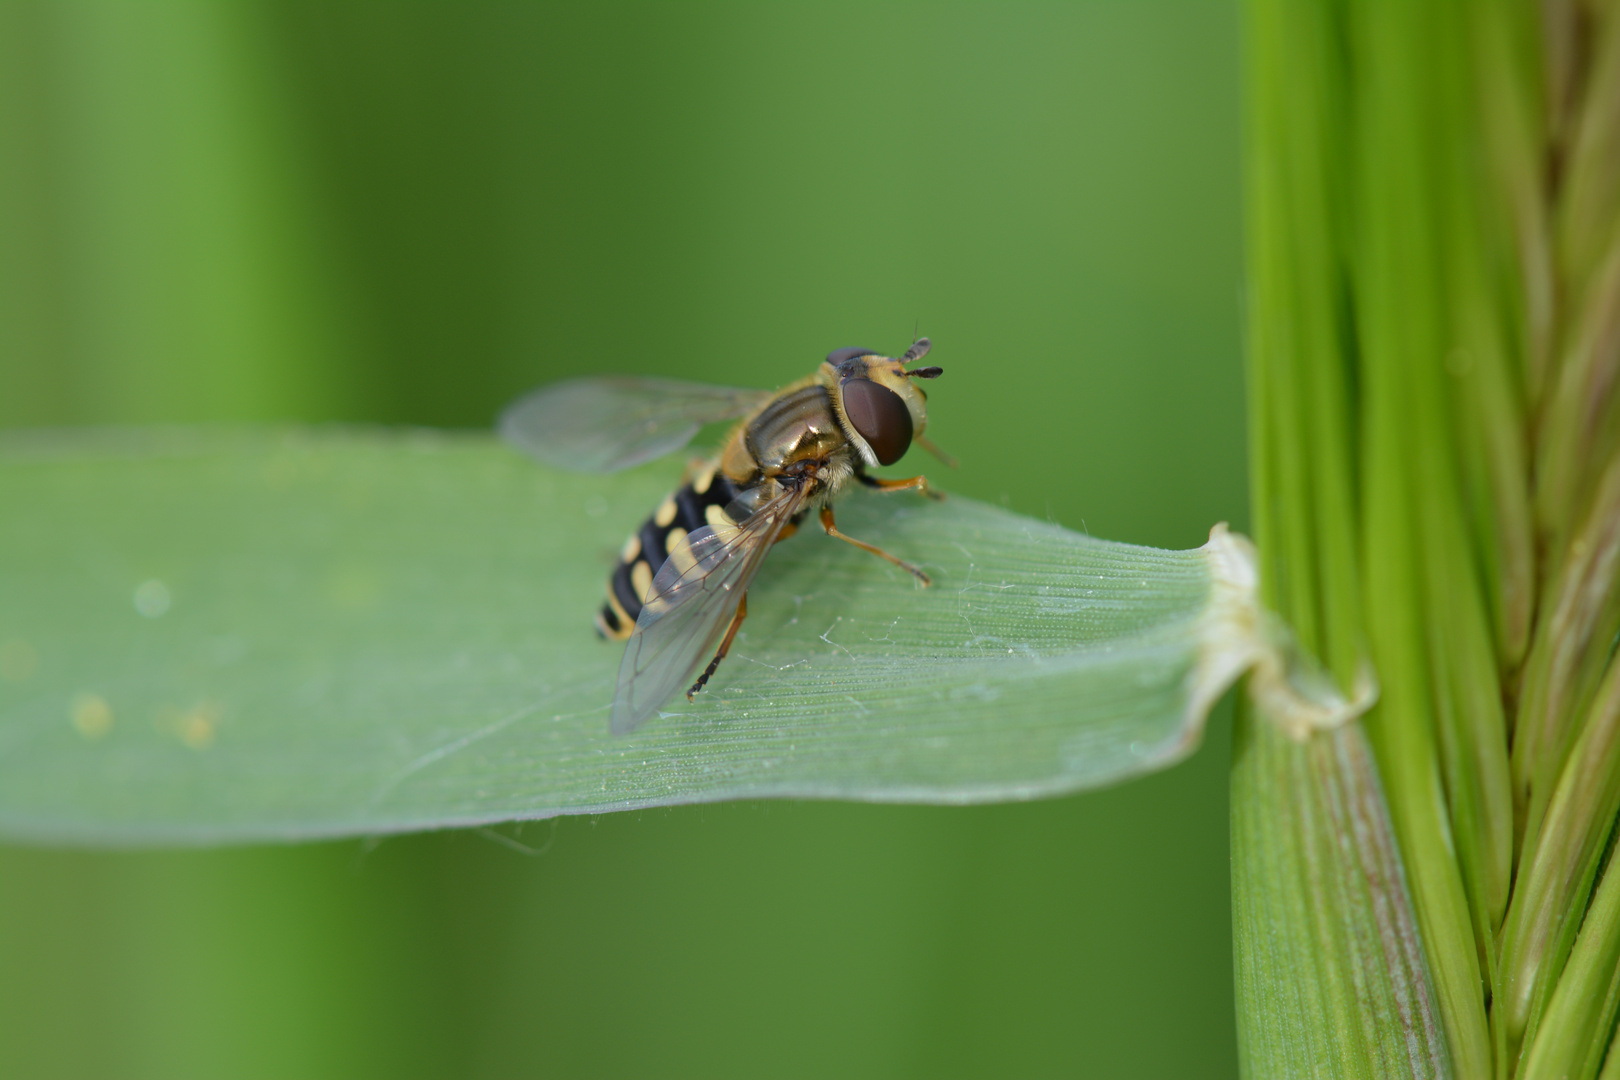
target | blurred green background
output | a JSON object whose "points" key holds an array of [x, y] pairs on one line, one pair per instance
{"points": [[412, 213]]}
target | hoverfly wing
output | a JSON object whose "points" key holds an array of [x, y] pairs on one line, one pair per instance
{"points": [[691, 602], [605, 424]]}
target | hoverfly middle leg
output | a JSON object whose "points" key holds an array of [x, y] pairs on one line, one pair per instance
{"points": [[831, 526], [919, 484], [725, 647]]}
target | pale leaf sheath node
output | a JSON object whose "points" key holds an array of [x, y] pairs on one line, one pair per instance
{"points": [[1238, 635]]}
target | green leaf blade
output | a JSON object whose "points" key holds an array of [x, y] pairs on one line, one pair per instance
{"points": [[229, 636]]}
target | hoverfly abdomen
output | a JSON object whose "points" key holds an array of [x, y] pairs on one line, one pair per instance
{"points": [[699, 502]]}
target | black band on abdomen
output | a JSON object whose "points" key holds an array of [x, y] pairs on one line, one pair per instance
{"points": [[687, 510]]}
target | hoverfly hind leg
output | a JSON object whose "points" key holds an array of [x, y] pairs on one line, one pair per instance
{"points": [[725, 647]]}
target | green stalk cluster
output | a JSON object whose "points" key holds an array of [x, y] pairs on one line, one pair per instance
{"points": [[1434, 215]]}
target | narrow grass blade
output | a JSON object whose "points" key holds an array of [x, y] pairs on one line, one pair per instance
{"points": [[1582, 1010]]}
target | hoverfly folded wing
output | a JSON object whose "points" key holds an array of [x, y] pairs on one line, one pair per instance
{"points": [[603, 424], [691, 603]]}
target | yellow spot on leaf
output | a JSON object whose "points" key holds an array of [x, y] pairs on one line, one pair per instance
{"points": [[91, 715], [195, 726]]}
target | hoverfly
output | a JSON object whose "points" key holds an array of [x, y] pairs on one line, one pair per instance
{"points": [[681, 583]]}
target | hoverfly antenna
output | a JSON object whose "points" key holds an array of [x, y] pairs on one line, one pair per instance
{"points": [[918, 350]]}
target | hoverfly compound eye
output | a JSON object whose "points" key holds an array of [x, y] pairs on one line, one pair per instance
{"points": [[880, 417]]}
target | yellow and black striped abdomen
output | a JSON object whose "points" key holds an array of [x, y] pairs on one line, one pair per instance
{"points": [[695, 505]]}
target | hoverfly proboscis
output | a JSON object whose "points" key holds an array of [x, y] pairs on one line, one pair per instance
{"points": [[679, 591]]}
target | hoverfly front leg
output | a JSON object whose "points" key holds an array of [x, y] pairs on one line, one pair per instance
{"points": [[919, 484], [725, 647], [831, 526]]}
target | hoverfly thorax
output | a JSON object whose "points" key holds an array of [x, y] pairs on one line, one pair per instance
{"points": [[880, 409]]}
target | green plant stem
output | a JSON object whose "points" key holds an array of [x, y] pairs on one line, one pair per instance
{"points": [[1329, 960], [1319, 895]]}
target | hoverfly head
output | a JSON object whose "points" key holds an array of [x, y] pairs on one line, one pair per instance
{"points": [[882, 412]]}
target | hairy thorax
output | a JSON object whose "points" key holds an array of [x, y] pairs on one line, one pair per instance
{"points": [[794, 440]]}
